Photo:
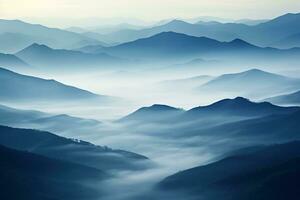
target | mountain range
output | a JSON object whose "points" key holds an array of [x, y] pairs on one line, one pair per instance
{"points": [[16, 35], [44, 57], [238, 107], [178, 48], [168, 45], [259, 34], [238, 120]]}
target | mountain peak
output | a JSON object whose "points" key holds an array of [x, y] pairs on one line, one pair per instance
{"points": [[161, 107], [258, 72], [235, 101], [176, 22], [36, 47], [240, 43], [255, 70], [152, 113], [237, 106]]}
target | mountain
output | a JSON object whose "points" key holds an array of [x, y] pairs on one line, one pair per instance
{"points": [[13, 42], [12, 62], [156, 112], [171, 45], [71, 150], [17, 87], [252, 83], [29, 176], [238, 106], [281, 27], [223, 111], [179, 26], [288, 99], [269, 172], [21, 34], [43, 56], [65, 125], [261, 34], [12, 116]]}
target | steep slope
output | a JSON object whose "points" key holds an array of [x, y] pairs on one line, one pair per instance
{"points": [[77, 151], [29, 176], [17, 87], [270, 172]]}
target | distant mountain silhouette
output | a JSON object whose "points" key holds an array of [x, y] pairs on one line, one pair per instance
{"points": [[16, 87], [153, 113], [29, 176], [169, 45], [269, 172], [13, 42], [72, 150], [25, 34], [12, 62], [262, 34], [253, 82], [287, 99], [65, 125], [43, 56]]}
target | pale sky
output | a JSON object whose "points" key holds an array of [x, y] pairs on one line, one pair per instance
{"points": [[59, 12]]}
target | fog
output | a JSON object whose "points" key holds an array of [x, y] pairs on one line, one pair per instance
{"points": [[172, 147]]}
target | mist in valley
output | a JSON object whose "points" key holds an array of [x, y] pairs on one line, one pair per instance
{"points": [[177, 109]]}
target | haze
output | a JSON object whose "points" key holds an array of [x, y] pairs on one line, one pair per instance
{"points": [[65, 12]]}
